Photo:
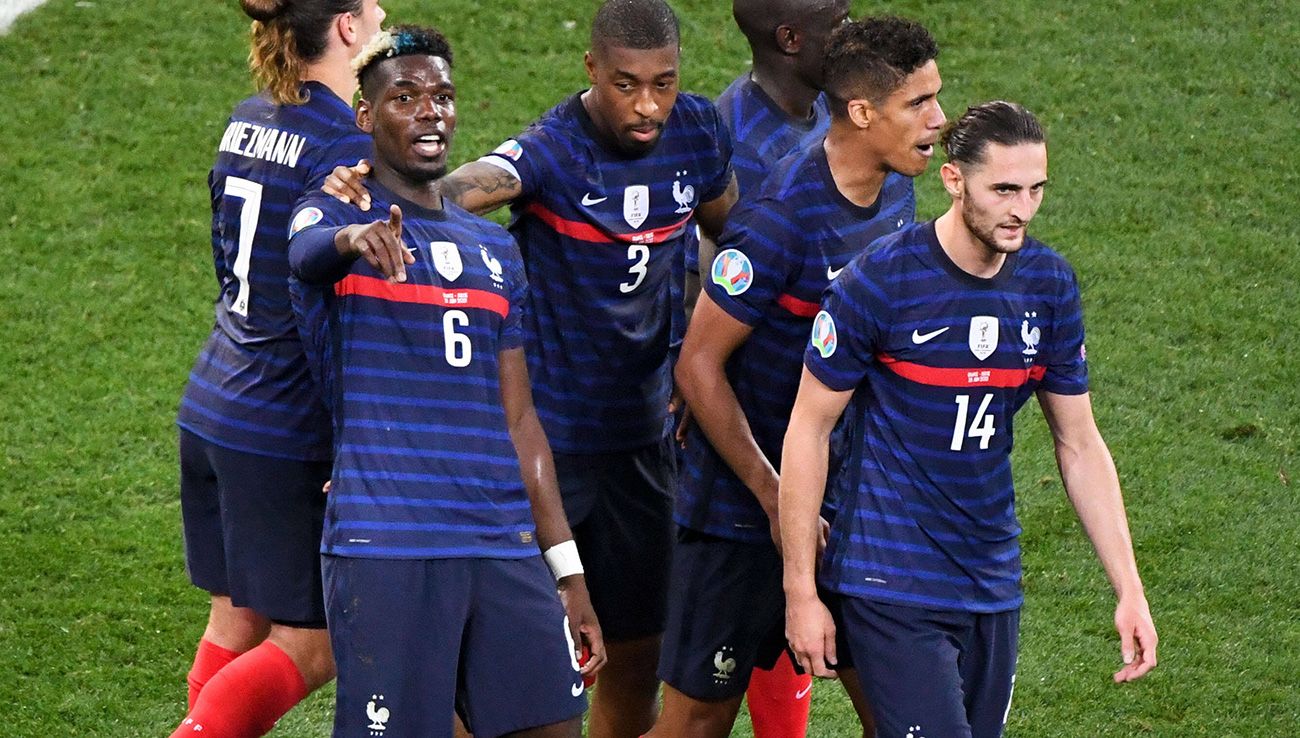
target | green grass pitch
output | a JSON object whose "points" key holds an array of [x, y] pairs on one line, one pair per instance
{"points": [[1173, 129]]}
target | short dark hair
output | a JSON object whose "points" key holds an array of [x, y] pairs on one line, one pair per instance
{"points": [[868, 59], [635, 24], [400, 41], [964, 140]]}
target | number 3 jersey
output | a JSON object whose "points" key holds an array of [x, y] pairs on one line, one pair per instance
{"points": [[424, 466], [939, 361], [250, 389], [603, 236]]}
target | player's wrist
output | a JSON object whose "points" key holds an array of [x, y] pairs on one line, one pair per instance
{"points": [[563, 560]]}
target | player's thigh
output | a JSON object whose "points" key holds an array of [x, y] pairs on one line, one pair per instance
{"points": [[626, 539], [988, 671], [518, 666], [726, 606], [204, 536], [907, 663], [272, 511], [395, 626]]}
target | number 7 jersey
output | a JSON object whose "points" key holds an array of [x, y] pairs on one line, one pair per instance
{"points": [[939, 361]]}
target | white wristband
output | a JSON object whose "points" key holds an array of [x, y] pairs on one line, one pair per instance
{"points": [[563, 559]]}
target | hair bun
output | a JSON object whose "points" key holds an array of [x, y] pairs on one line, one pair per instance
{"points": [[264, 10]]}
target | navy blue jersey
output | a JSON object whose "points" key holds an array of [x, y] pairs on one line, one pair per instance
{"points": [[762, 133], [424, 466], [780, 250], [939, 361], [250, 389], [602, 236]]}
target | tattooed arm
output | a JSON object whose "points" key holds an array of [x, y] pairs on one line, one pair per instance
{"points": [[480, 187]]}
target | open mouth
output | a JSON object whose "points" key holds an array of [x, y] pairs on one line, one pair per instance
{"points": [[926, 150], [431, 145]]}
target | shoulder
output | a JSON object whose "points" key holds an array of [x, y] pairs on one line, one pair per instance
{"points": [[732, 97], [1040, 260], [324, 210], [696, 110]]}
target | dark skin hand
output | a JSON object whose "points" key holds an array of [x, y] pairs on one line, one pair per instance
{"points": [[477, 187], [379, 243], [538, 469]]}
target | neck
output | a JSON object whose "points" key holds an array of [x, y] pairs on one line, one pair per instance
{"points": [[607, 138], [334, 71], [427, 193], [779, 81], [857, 174], [969, 253]]}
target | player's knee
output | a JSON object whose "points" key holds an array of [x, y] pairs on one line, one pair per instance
{"points": [[309, 648], [235, 628]]}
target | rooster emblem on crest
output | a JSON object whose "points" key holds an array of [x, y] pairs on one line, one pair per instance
{"points": [[724, 666], [1030, 335], [684, 196], [492, 263], [378, 715]]}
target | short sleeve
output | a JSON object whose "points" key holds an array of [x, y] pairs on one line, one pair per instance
{"points": [[758, 258], [846, 331], [524, 157], [1066, 359]]}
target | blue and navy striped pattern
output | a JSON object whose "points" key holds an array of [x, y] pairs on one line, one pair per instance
{"points": [[424, 466], [763, 134], [604, 292], [940, 362], [250, 389], [794, 231]]}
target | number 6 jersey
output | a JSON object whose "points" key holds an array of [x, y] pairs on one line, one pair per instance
{"points": [[939, 361], [424, 466]]}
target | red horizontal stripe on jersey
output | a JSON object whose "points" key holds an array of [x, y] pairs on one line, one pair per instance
{"points": [[957, 377], [795, 306], [425, 294], [588, 232]]}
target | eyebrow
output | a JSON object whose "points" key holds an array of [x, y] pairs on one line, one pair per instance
{"points": [[660, 75], [1015, 186]]}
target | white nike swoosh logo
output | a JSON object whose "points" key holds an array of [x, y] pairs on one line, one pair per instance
{"points": [[919, 338], [831, 274], [588, 200], [803, 692], [576, 690]]}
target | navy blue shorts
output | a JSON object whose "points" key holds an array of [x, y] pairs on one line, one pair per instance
{"points": [[416, 639], [252, 527], [726, 615], [930, 673], [620, 506]]}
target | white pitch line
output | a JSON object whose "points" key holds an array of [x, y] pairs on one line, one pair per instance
{"points": [[11, 9]]}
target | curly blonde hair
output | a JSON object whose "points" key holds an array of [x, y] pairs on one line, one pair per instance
{"points": [[287, 35]]}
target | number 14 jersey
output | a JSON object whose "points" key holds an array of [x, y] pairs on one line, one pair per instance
{"points": [[940, 361]]}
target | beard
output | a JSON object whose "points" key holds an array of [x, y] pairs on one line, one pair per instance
{"points": [[984, 227]]}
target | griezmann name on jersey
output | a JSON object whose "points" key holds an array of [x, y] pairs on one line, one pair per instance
{"points": [[939, 361], [250, 389], [781, 248], [424, 466], [603, 238]]}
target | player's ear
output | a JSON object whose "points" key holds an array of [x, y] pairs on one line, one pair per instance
{"points": [[345, 26], [862, 113], [589, 62], [365, 121], [788, 39], [952, 178]]}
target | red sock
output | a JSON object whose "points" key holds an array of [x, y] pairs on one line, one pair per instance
{"points": [[779, 701], [245, 698], [208, 660]]}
